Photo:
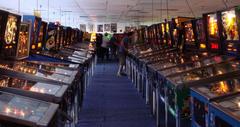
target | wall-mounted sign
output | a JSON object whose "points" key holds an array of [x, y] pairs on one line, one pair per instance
{"points": [[91, 28], [100, 28], [107, 27], [114, 27], [83, 27]]}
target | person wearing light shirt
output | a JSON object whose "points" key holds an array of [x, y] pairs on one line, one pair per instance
{"points": [[104, 45]]}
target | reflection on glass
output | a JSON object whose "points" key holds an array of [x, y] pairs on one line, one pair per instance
{"points": [[22, 108], [29, 85], [206, 72]]}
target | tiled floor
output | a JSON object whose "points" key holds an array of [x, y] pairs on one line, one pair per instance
{"points": [[112, 101]]}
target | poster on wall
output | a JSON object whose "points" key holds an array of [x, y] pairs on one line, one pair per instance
{"points": [[91, 27], [127, 29], [83, 27], [114, 27], [107, 27], [100, 28], [133, 28]]}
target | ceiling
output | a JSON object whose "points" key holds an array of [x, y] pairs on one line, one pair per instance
{"points": [[71, 12]]}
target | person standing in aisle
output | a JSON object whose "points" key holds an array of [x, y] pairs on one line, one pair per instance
{"points": [[98, 46], [105, 43], [113, 46], [122, 52]]}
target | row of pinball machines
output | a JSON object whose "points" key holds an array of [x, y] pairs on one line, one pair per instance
{"points": [[44, 71], [192, 78]]}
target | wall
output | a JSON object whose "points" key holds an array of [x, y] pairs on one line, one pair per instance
{"points": [[120, 26]]}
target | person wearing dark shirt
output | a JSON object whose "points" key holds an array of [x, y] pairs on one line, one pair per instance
{"points": [[98, 46], [122, 52], [113, 46]]}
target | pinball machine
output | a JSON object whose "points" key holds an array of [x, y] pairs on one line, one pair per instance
{"points": [[168, 37], [211, 47], [168, 49], [203, 95], [177, 93], [23, 111], [82, 54], [78, 36], [149, 34], [64, 32], [211, 22], [9, 34], [68, 37], [190, 52], [52, 45], [41, 36], [72, 37], [224, 112], [24, 69], [229, 24], [52, 54], [35, 28], [78, 50], [172, 37], [57, 37], [153, 38], [141, 59], [23, 45], [62, 37], [49, 92], [194, 41]]}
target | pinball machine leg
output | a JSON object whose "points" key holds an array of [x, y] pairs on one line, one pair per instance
{"points": [[147, 91], [138, 80], [85, 81], [132, 70], [178, 117], [157, 108], [166, 107], [154, 101], [127, 66], [136, 77], [89, 76], [143, 85], [133, 73]]}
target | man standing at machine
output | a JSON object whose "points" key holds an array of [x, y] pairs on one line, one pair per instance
{"points": [[122, 52]]}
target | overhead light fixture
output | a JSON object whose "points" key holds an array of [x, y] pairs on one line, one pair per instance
{"points": [[66, 11], [143, 12], [166, 9], [134, 10]]}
